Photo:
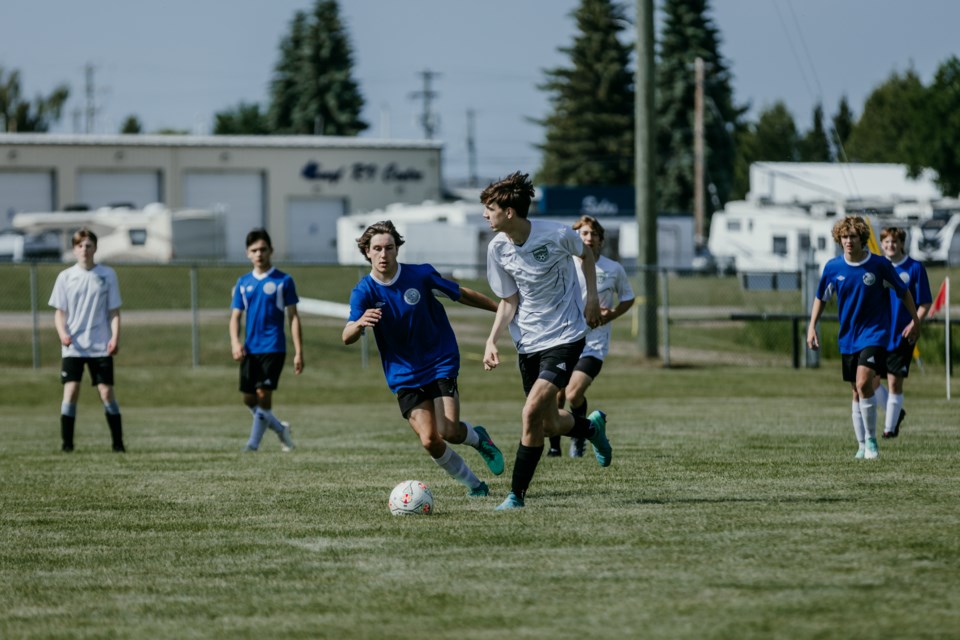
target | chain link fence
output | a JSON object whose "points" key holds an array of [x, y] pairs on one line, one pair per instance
{"points": [[177, 315]]}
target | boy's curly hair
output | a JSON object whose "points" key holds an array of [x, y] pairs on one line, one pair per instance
{"points": [[852, 226]]}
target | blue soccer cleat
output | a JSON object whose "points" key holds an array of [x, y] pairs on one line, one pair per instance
{"points": [[512, 502], [601, 446], [479, 491], [489, 452]]}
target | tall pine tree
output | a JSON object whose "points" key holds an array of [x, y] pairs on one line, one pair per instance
{"points": [[283, 85], [688, 33], [590, 133], [814, 146], [843, 121]]}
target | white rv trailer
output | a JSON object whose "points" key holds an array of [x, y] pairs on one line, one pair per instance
{"points": [[153, 234]]}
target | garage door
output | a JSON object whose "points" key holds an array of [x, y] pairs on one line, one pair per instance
{"points": [[136, 189], [24, 191], [238, 195], [312, 229]]}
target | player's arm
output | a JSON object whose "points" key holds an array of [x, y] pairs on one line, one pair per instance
{"points": [[236, 344], [912, 330], [505, 312], [60, 322], [476, 299], [609, 315], [591, 309], [354, 329], [114, 345], [813, 342], [297, 335]]}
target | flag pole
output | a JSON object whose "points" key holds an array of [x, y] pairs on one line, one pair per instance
{"points": [[946, 329]]}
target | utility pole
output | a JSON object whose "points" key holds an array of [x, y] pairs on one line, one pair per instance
{"points": [[91, 96], [646, 199], [472, 149], [428, 120], [699, 198]]}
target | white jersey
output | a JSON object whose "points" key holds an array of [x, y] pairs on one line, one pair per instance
{"points": [[613, 286], [87, 297], [550, 309]]}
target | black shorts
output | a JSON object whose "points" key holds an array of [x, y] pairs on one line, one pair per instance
{"points": [[411, 398], [101, 369], [589, 365], [553, 365], [871, 357], [261, 371], [898, 361]]}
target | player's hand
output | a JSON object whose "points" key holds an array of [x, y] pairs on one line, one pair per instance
{"points": [[113, 347], [491, 357], [592, 314], [66, 340], [370, 318], [298, 364], [238, 352], [606, 315], [911, 332], [812, 341]]}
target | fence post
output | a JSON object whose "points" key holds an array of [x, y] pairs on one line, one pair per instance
{"points": [[35, 315], [811, 277], [666, 318], [195, 313]]}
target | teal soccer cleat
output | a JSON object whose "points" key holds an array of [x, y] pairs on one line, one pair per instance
{"points": [[601, 446], [489, 452]]}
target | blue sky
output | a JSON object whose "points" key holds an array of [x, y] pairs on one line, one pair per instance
{"points": [[175, 63]]}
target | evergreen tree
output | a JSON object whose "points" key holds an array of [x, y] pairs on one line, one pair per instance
{"points": [[815, 146], [745, 143], [687, 34], [843, 122], [940, 129], [283, 85], [18, 114], [131, 125], [589, 136], [244, 119], [889, 130], [776, 135], [328, 100]]}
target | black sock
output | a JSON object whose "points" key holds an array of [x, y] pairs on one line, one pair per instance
{"points": [[66, 431], [582, 428], [581, 410], [116, 430], [554, 442], [523, 469]]}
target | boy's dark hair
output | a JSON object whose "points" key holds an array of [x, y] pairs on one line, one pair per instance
{"points": [[384, 226], [514, 191], [591, 222], [82, 234], [259, 234]]}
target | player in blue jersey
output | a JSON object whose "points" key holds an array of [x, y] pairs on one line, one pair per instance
{"points": [[269, 297], [900, 351], [418, 350], [861, 281], [530, 266]]}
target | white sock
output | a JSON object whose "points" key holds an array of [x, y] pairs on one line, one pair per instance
{"points": [[894, 404], [472, 439], [272, 420], [881, 394], [858, 422], [868, 409], [453, 464], [256, 430]]}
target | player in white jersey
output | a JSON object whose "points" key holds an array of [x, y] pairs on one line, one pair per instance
{"points": [[87, 301], [530, 268], [616, 297]]}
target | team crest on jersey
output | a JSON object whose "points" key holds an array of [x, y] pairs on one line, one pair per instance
{"points": [[540, 254], [905, 277], [269, 288], [869, 279], [411, 296]]}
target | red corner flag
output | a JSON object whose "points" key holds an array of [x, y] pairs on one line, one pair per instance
{"points": [[939, 301]]}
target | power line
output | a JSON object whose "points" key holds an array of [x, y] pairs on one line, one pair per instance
{"points": [[429, 120]]}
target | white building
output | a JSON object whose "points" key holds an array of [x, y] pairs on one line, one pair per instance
{"points": [[295, 186]]}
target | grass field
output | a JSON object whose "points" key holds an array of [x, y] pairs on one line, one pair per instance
{"points": [[733, 509]]}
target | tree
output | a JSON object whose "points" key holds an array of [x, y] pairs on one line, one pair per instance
{"points": [[589, 137], [283, 85], [776, 135], [843, 121], [131, 125], [890, 128], [686, 35], [244, 119], [21, 115], [328, 100], [814, 146], [940, 129]]}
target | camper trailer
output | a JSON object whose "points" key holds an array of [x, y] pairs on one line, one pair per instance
{"points": [[153, 234]]}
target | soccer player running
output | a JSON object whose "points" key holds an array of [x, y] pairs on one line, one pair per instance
{"points": [[530, 267], [613, 285], [899, 350], [860, 281], [86, 299], [267, 295], [418, 350]]}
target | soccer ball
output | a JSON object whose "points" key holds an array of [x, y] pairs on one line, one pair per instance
{"points": [[411, 498]]}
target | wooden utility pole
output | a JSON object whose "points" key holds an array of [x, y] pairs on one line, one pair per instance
{"points": [[646, 199], [699, 197]]}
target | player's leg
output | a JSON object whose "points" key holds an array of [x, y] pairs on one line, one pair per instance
{"points": [[272, 366], [457, 431], [101, 372], [868, 407], [849, 374], [895, 411], [68, 406], [580, 380], [554, 450]]}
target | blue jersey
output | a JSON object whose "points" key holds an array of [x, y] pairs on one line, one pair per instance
{"points": [[862, 298], [265, 298], [914, 276], [416, 342]]}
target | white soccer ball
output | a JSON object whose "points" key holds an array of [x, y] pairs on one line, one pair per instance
{"points": [[411, 498]]}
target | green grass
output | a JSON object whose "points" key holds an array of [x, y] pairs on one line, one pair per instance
{"points": [[733, 509]]}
